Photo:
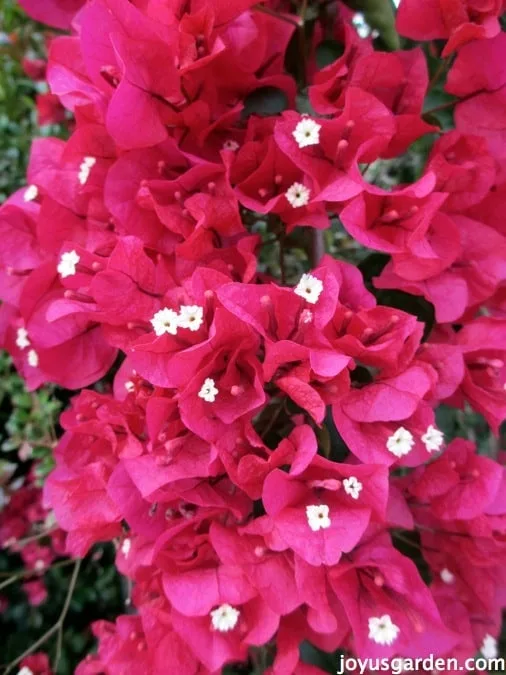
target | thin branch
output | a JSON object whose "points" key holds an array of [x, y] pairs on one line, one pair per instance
{"points": [[35, 537], [282, 257], [56, 628], [277, 15], [317, 247]]}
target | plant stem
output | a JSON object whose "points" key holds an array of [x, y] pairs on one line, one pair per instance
{"points": [[317, 247], [56, 628]]}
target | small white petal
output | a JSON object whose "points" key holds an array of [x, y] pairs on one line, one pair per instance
{"points": [[85, 169], [30, 193], [489, 647], [208, 391], [125, 547], [382, 630], [447, 576], [68, 262], [191, 317], [225, 618], [352, 486], [22, 339], [309, 288], [298, 195], [401, 442], [318, 517], [433, 439], [33, 358], [165, 321], [307, 132]]}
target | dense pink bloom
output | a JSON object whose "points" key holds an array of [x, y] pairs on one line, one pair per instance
{"points": [[260, 446]]}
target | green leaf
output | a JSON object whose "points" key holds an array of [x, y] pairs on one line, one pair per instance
{"points": [[380, 15], [327, 52], [264, 102]]}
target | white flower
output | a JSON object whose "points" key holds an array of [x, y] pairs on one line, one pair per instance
{"points": [[318, 517], [208, 391], [85, 169], [165, 321], [382, 630], [30, 193], [22, 339], [67, 265], [309, 288], [307, 132], [433, 439], [298, 195], [352, 486], [489, 647], [125, 547], [401, 442], [191, 317], [230, 145], [25, 671], [33, 358], [225, 618], [447, 576]]}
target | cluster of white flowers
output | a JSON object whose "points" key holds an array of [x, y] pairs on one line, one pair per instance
{"points": [[401, 442], [168, 321]]}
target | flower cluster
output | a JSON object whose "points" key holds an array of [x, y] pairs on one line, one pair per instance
{"points": [[266, 444]]}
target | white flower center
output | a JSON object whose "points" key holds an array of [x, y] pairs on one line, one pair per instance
{"points": [[433, 439], [309, 288], [30, 193], [68, 262], [447, 576], [225, 618], [489, 647], [400, 442], [298, 195], [231, 145], [382, 630], [85, 169], [352, 486], [22, 339], [125, 547], [307, 132], [165, 321], [129, 386], [39, 565], [191, 317], [318, 517], [208, 391], [33, 358]]}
